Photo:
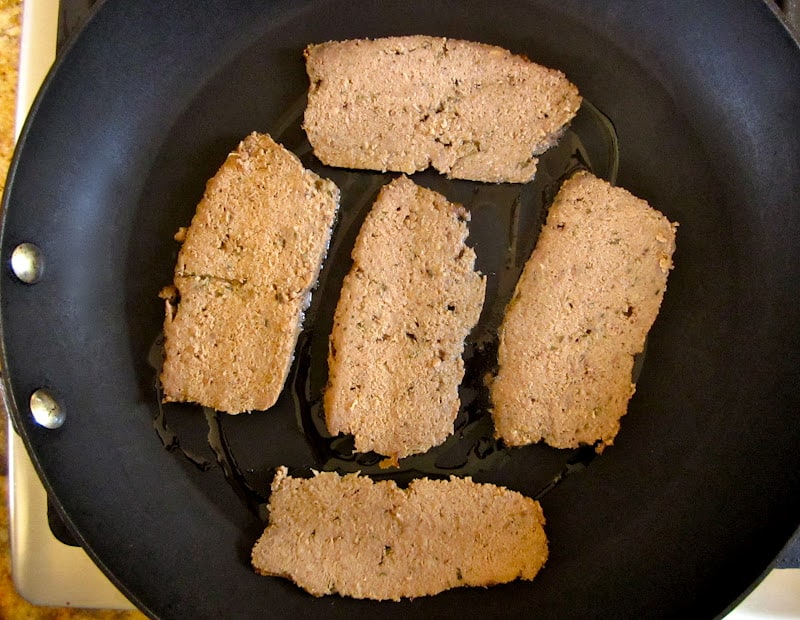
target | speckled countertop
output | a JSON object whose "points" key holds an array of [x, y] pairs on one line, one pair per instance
{"points": [[12, 606]]}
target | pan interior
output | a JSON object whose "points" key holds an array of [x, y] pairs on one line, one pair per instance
{"points": [[505, 222]]}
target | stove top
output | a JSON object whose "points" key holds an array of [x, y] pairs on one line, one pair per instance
{"points": [[49, 568]]}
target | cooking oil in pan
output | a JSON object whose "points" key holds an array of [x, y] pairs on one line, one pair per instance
{"points": [[505, 223]]}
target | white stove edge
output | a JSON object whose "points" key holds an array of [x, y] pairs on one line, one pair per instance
{"points": [[85, 585], [46, 571]]}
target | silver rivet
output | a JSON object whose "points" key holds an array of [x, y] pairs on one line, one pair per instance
{"points": [[27, 263], [46, 410]]}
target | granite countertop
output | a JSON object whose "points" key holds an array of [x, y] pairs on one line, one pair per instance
{"points": [[11, 604]]}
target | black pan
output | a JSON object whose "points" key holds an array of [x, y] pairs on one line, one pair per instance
{"points": [[694, 106]]}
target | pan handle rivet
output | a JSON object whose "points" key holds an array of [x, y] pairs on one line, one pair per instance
{"points": [[46, 410], [27, 263]]}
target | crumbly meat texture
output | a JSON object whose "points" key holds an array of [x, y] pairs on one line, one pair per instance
{"points": [[243, 279], [472, 111], [581, 311], [363, 539], [406, 306]]}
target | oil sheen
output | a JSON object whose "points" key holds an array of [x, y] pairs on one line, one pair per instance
{"points": [[505, 223]]}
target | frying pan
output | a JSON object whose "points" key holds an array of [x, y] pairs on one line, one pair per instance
{"points": [[692, 106]]}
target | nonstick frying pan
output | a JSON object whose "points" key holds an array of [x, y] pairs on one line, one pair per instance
{"points": [[692, 106]]}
